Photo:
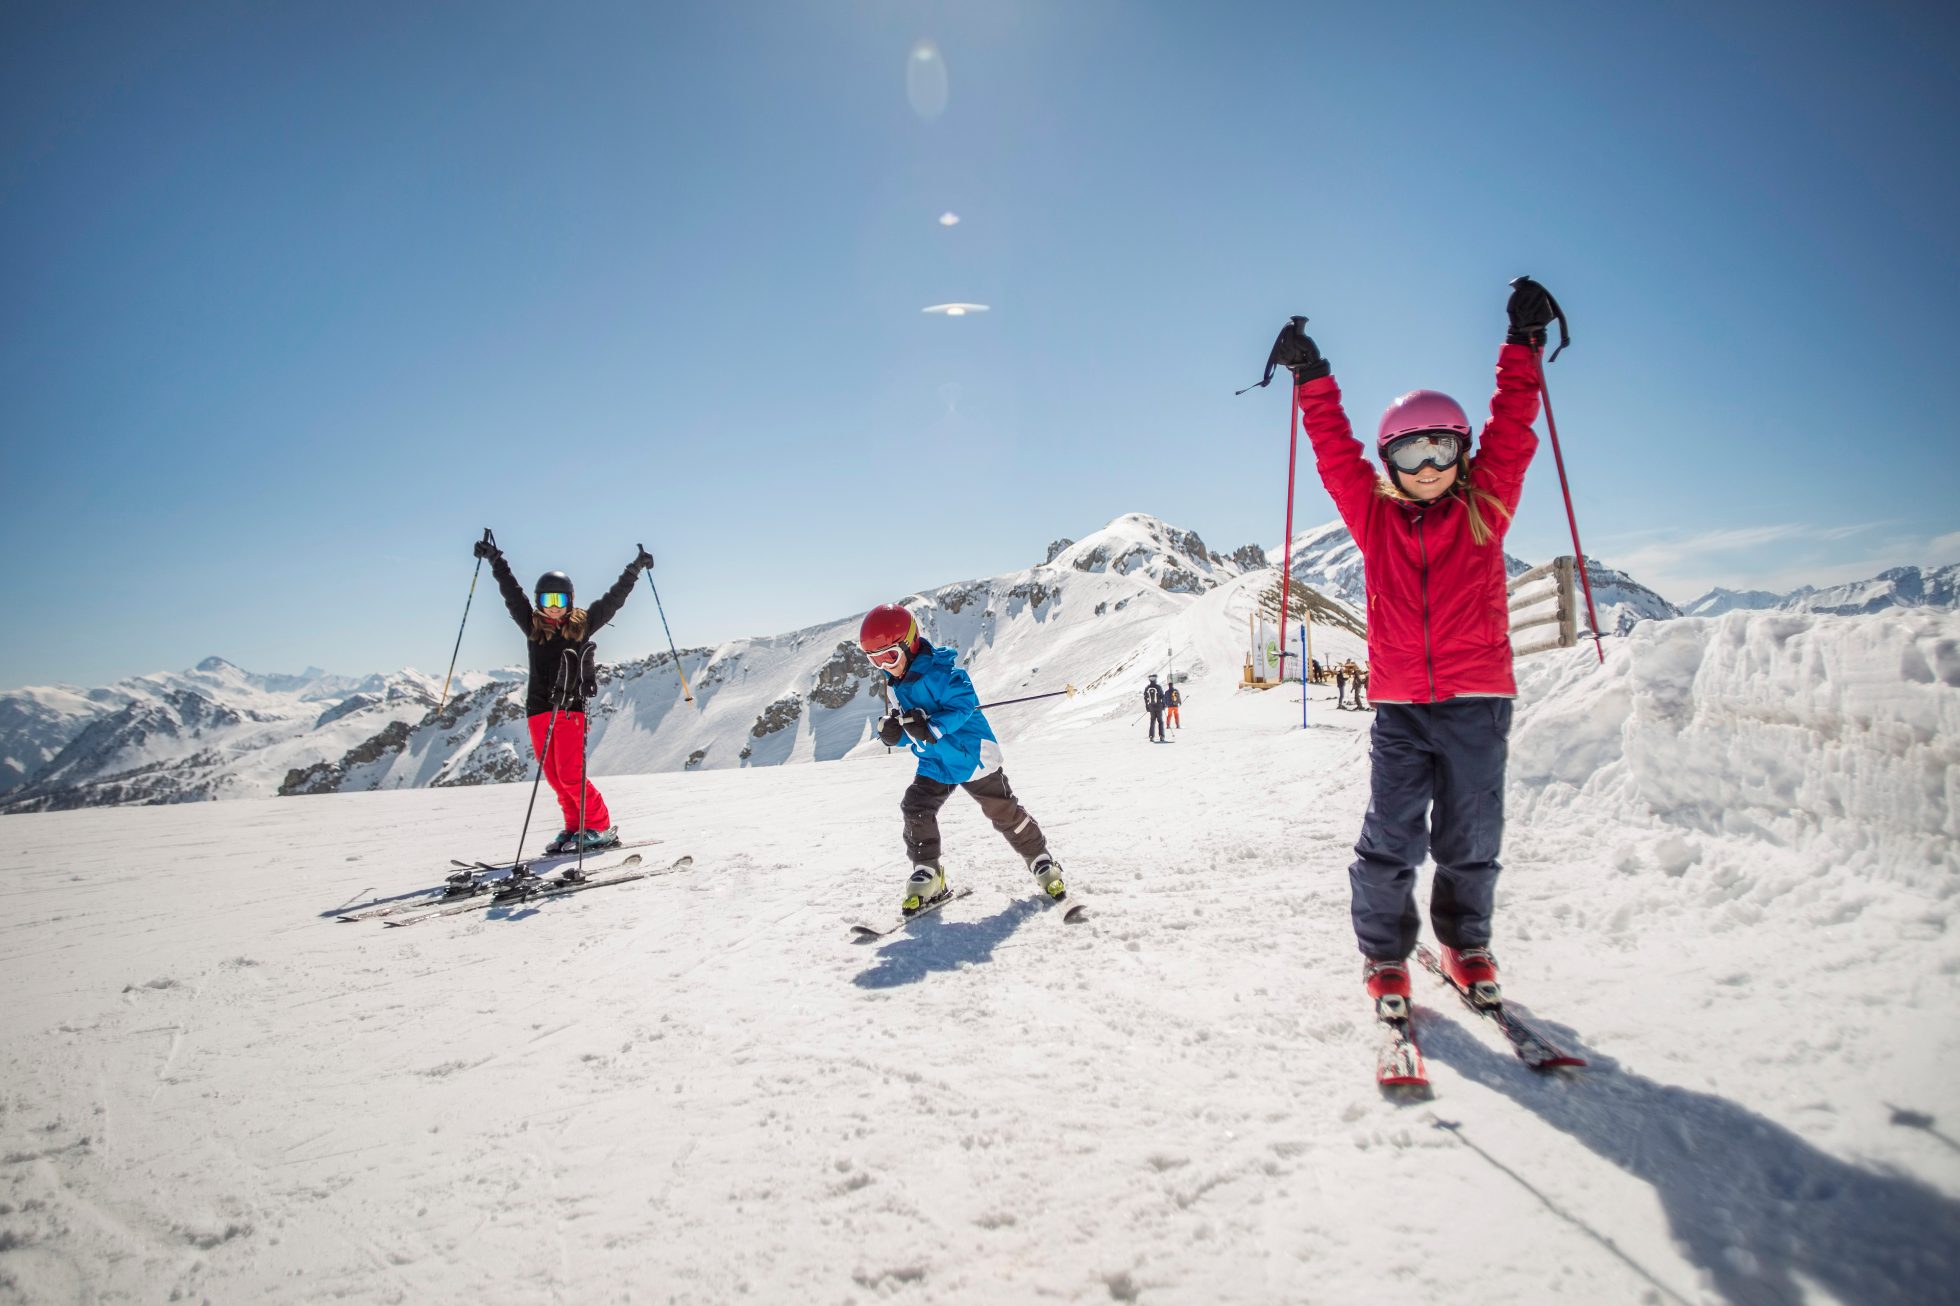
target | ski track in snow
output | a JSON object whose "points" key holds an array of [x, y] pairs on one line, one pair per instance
{"points": [[695, 1088]]}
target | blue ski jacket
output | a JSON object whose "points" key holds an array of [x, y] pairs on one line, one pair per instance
{"points": [[966, 745]]}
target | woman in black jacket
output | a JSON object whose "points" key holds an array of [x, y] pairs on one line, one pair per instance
{"points": [[555, 630]]}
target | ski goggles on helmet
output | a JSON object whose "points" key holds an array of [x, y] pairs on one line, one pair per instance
{"points": [[887, 659], [1438, 449], [555, 601]]}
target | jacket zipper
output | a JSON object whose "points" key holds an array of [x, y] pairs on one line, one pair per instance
{"points": [[1428, 658]]}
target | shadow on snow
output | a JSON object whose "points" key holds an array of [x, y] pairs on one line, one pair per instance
{"points": [[937, 944], [1760, 1210]]}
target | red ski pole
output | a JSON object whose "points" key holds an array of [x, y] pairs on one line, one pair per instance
{"points": [[1578, 553]]}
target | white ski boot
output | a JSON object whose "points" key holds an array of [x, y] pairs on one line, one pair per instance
{"points": [[927, 885], [1048, 874]]}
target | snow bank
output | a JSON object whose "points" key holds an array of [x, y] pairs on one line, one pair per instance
{"points": [[1839, 736]]}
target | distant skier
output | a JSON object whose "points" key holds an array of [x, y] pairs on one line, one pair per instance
{"points": [[554, 627], [1153, 703], [1431, 537], [1173, 700], [1360, 679], [938, 717], [1349, 677], [1340, 685]]}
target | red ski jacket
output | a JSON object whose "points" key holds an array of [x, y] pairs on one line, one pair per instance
{"points": [[1438, 616]]}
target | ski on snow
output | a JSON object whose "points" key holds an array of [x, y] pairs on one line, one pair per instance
{"points": [[1532, 1047], [467, 880], [1398, 1062], [859, 930], [1071, 912], [509, 893], [459, 864]]}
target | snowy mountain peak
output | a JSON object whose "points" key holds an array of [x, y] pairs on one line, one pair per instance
{"points": [[1719, 600], [1139, 544]]}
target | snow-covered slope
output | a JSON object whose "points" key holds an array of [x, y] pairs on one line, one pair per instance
{"points": [[1099, 609], [1901, 587], [1729, 882], [215, 731], [1621, 601], [1718, 601]]}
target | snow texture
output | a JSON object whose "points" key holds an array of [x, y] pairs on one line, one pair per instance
{"points": [[1730, 882]]}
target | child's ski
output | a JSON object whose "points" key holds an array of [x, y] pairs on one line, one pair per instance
{"points": [[1533, 1048], [1398, 1061], [859, 930]]}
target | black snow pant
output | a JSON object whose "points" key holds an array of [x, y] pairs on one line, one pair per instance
{"points": [[1437, 776], [1156, 723], [923, 799]]}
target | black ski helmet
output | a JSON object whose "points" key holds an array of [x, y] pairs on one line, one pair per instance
{"points": [[552, 582]]}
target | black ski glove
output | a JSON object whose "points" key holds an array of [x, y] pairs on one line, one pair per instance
{"points": [[645, 561], [890, 731], [1296, 351], [486, 550], [919, 725], [1532, 309]]}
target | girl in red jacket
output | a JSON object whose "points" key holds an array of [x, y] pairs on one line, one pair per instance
{"points": [[1431, 533]]}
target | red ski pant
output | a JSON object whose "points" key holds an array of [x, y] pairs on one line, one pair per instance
{"points": [[564, 764], [1170, 715]]}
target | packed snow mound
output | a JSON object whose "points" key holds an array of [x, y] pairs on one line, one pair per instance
{"points": [[1836, 736]]}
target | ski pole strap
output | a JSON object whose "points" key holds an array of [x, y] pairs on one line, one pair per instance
{"points": [[1564, 334], [1272, 357]]}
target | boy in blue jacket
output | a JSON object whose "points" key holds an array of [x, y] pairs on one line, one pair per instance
{"points": [[938, 717]]}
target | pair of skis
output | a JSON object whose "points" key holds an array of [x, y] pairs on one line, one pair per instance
{"points": [[1398, 1064], [515, 890], [1072, 913]]}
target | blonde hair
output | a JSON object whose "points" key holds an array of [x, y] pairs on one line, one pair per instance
{"points": [[1473, 495], [572, 627]]}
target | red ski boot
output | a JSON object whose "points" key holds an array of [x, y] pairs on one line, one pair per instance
{"points": [[1388, 985], [1474, 971]]}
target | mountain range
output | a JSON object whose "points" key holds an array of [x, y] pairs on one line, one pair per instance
{"points": [[1137, 595]]}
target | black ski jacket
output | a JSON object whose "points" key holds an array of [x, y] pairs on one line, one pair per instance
{"points": [[1153, 698], [548, 654]]}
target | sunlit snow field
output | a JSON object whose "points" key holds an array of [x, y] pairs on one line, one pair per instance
{"points": [[1730, 883]]}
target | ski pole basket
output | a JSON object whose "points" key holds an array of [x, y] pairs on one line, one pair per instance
{"points": [[1529, 590]]}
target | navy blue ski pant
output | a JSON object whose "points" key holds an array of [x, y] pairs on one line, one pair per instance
{"points": [[1437, 772]]}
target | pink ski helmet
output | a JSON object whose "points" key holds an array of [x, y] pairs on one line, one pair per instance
{"points": [[1422, 410]]}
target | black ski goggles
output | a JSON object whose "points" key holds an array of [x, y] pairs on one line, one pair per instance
{"points": [[1438, 449]]}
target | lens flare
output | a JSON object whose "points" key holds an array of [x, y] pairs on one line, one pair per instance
{"points": [[926, 87]]}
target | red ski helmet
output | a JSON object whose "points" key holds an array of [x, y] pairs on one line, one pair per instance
{"points": [[1422, 410], [887, 626]]}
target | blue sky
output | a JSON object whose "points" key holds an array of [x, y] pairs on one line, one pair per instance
{"points": [[299, 298]]}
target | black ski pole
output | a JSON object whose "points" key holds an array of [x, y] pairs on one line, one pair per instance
{"points": [[686, 693], [551, 727], [490, 540], [1065, 689]]}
